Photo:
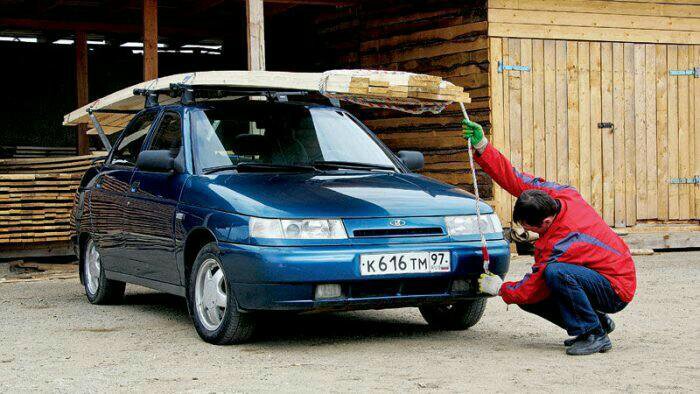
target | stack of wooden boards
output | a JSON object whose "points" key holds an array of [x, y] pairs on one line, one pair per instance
{"points": [[35, 151], [392, 85], [36, 197]]}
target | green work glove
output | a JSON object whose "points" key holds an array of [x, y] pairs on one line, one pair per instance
{"points": [[473, 132]]}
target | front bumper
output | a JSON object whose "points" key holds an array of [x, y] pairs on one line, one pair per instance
{"points": [[284, 278]]}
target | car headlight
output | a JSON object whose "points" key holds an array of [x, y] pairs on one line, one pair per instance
{"points": [[465, 225], [297, 228]]}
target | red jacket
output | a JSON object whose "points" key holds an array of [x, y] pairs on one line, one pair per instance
{"points": [[578, 235]]}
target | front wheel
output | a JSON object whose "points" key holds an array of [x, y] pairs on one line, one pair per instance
{"points": [[458, 316], [213, 303]]}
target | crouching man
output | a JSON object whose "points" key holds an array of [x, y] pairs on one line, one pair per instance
{"points": [[582, 269]]}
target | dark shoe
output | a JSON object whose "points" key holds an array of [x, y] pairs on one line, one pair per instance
{"points": [[605, 321], [590, 344]]}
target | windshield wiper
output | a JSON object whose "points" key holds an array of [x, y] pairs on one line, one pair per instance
{"points": [[259, 167], [351, 165]]}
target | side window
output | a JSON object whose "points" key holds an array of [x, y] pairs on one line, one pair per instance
{"points": [[130, 145], [169, 134]]}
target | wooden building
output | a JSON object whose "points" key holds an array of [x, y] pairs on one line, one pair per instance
{"points": [[602, 95]]}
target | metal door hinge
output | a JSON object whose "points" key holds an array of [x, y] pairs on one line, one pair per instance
{"points": [[606, 125], [685, 181], [502, 67], [691, 71]]}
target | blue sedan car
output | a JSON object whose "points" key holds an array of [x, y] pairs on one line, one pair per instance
{"points": [[244, 207]]}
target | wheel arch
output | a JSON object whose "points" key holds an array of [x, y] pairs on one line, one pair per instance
{"points": [[194, 242], [82, 241]]}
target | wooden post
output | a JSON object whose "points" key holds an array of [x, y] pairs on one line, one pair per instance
{"points": [[256, 34], [81, 87], [150, 39]]}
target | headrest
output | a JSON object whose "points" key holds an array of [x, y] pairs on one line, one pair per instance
{"points": [[251, 144]]}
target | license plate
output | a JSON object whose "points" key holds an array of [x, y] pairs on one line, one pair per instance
{"points": [[404, 263]]}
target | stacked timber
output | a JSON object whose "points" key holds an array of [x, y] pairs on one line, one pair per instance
{"points": [[35, 151], [36, 207], [50, 165]]}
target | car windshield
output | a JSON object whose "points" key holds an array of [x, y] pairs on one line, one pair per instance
{"points": [[282, 137]]}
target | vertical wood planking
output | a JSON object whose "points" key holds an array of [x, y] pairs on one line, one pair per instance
{"points": [[515, 114], [620, 214], [496, 97], [550, 110], [584, 108], [596, 136], [683, 136], [528, 153], [692, 154], [673, 208], [696, 122], [538, 105], [572, 111], [506, 119], [661, 132], [561, 105], [640, 131], [650, 113], [606, 134], [630, 142]]}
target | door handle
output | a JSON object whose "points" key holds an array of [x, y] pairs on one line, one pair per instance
{"points": [[135, 186]]}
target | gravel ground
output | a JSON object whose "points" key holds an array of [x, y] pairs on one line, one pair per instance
{"points": [[53, 340]]}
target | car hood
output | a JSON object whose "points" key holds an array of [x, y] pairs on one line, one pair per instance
{"points": [[328, 195]]}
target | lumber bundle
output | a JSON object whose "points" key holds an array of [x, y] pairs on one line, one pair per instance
{"points": [[36, 207], [392, 86], [35, 151], [49, 165]]}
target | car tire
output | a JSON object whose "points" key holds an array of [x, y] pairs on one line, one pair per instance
{"points": [[217, 320], [458, 316], [98, 289]]}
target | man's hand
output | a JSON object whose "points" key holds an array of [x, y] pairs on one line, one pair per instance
{"points": [[472, 131], [490, 283]]}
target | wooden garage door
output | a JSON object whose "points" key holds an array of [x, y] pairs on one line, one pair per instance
{"points": [[607, 118]]}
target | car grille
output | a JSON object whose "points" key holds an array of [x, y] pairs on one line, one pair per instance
{"points": [[402, 232], [389, 288]]}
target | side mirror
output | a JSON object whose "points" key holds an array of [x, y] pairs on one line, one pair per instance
{"points": [[156, 161], [412, 159]]}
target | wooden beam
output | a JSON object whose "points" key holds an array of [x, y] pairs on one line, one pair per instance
{"points": [[150, 39], [97, 27], [81, 87], [255, 34]]}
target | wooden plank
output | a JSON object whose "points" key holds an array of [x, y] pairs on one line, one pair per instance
{"points": [[527, 127], [598, 7], [596, 133], [506, 119], [696, 112], [683, 135], [661, 132], [620, 215], [584, 107], [650, 113], [150, 39], [606, 134], [255, 34], [515, 92], [673, 207], [640, 131], [550, 108], [423, 36], [538, 104], [572, 113], [663, 240], [629, 135], [692, 153], [591, 34], [496, 116], [593, 20], [561, 103]]}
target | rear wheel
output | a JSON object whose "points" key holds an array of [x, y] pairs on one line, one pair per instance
{"points": [[458, 316], [215, 312], [99, 289]]}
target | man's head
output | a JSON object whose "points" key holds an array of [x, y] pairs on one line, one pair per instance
{"points": [[535, 210]]}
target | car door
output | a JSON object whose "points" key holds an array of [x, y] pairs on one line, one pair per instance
{"points": [[152, 199], [108, 197]]}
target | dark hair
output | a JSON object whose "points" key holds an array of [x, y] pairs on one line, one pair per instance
{"points": [[533, 206]]}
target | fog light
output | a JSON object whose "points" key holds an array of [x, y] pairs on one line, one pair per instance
{"points": [[328, 291], [460, 285]]}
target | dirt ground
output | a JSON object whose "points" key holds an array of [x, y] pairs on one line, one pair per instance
{"points": [[53, 340]]}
